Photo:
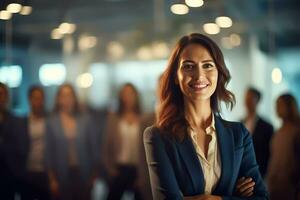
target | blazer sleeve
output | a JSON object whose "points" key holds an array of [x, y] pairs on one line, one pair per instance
{"points": [[162, 178], [249, 168]]}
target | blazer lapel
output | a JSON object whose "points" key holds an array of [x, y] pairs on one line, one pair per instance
{"points": [[192, 163], [226, 149]]}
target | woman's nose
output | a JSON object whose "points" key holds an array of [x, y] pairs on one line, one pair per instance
{"points": [[199, 73]]}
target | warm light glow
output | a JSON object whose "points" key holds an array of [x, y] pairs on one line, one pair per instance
{"points": [[84, 80], [11, 75], [26, 10], [179, 9], [55, 34], [86, 42], [226, 43], [144, 53], [211, 28], [194, 3], [67, 28], [160, 50], [115, 50], [14, 8], [224, 22], [276, 76], [235, 39], [5, 15], [52, 74]]}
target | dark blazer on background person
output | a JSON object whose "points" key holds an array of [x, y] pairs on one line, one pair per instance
{"points": [[143, 172], [13, 150], [57, 147], [175, 170], [261, 136]]}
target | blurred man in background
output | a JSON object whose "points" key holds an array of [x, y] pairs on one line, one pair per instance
{"points": [[260, 129]]}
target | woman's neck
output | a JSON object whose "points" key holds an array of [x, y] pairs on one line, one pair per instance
{"points": [[198, 114]]}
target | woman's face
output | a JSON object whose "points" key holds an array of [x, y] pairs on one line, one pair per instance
{"points": [[197, 74], [128, 97], [280, 108], [66, 99], [37, 101]]}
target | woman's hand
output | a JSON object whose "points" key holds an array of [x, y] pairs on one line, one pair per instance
{"points": [[245, 187]]}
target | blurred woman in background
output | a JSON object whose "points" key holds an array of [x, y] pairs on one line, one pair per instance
{"points": [[283, 175], [121, 146], [69, 142]]}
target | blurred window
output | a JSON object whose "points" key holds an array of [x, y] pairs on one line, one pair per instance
{"points": [[52, 74], [11, 75]]}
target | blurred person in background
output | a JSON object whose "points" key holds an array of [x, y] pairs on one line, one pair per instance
{"points": [[260, 129], [147, 120], [121, 144], [283, 174], [12, 150], [37, 186], [6, 125], [69, 148]]}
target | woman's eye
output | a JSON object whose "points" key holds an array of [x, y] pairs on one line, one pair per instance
{"points": [[207, 65], [187, 66]]}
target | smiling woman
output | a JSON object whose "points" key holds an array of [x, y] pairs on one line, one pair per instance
{"points": [[192, 153]]}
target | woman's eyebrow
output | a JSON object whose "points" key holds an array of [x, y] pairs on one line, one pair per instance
{"points": [[207, 61], [185, 61]]}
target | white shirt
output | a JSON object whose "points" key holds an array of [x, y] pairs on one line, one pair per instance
{"points": [[36, 154], [211, 166], [129, 134]]}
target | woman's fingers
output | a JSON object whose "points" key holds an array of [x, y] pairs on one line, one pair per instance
{"points": [[240, 181], [247, 186], [243, 181], [248, 192]]}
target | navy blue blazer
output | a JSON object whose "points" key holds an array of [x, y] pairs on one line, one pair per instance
{"points": [[175, 170]]}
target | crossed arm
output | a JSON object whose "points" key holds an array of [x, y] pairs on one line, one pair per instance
{"points": [[163, 180]]}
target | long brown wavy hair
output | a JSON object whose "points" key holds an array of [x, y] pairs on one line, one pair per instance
{"points": [[170, 116]]}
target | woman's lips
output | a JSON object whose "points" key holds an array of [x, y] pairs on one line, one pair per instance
{"points": [[199, 86]]}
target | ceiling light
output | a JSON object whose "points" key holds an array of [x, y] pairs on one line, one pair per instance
{"points": [[5, 15], [14, 7], [26, 10], [55, 34], [235, 39], [224, 22], [67, 28], [194, 3], [179, 9], [211, 28], [84, 80], [276, 76]]}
